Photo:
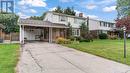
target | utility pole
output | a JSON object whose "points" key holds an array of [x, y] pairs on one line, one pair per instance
{"points": [[124, 29]]}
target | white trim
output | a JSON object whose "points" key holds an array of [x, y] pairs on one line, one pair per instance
{"points": [[23, 35], [20, 35], [50, 35]]}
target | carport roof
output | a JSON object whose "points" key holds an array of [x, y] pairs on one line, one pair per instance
{"points": [[40, 23]]}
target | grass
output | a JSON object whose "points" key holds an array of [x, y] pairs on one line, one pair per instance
{"points": [[8, 57], [110, 49]]}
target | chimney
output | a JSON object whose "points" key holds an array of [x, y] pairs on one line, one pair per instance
{"points": [[80, 14]]}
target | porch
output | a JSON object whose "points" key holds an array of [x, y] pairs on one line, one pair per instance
{"points": [[44, 31]]}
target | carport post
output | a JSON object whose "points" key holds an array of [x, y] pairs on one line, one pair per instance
{"points": [[20, 37], [23, 34], [50, 35]]}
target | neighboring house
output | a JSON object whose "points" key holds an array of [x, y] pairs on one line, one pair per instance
{"points": [[97, 27], [55, 25]]}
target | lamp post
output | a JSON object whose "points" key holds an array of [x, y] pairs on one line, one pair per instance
{"points": [[124, 29]]}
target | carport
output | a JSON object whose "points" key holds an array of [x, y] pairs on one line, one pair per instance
{"points": [[38, 30]]}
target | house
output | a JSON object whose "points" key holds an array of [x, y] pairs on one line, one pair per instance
{"points": [[97, 27], [1, 33], [93, 25], [55, 25]]}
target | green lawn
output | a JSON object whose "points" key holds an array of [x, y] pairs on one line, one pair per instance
{"points": [[110, 49], [8, 57]]}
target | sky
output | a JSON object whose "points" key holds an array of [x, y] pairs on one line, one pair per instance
{"points": [[95, 9]]}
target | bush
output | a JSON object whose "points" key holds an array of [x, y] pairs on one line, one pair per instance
{"points": [[61, 40], [121, 34], [86, 39], [103, 36], [75, 38], [113, 37], [72, 38]]}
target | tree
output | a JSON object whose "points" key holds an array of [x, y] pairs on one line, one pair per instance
{"points": [[83, 29], [125, 21], [35, 18], [9, 20], [123, 8], [43, 16], [38, 17], [58, 10], [69, 11]]}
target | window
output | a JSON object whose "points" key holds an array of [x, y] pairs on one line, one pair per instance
{"points": [[63, 18], [109, 25], [76, 32], [104, 24], [112, 25], [100, 23]]}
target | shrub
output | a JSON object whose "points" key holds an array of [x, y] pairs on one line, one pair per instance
{"points": [[84, 40], [72, 38], [61, 40], [114, 37], [75, 38], [121, 34], [103, 36], [89, 37]]}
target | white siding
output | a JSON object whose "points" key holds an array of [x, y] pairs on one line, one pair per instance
{"points": [[56, 19], [75, 22], [48, 17], [94, 25]]}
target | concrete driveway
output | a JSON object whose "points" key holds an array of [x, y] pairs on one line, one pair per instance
{"points": [[53, 58]]}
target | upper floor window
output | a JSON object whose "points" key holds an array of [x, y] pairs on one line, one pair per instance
{"points": [[106, 24], [110, 25], [63, 18]]}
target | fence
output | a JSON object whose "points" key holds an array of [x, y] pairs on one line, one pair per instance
{"points": [[11, 36]]}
